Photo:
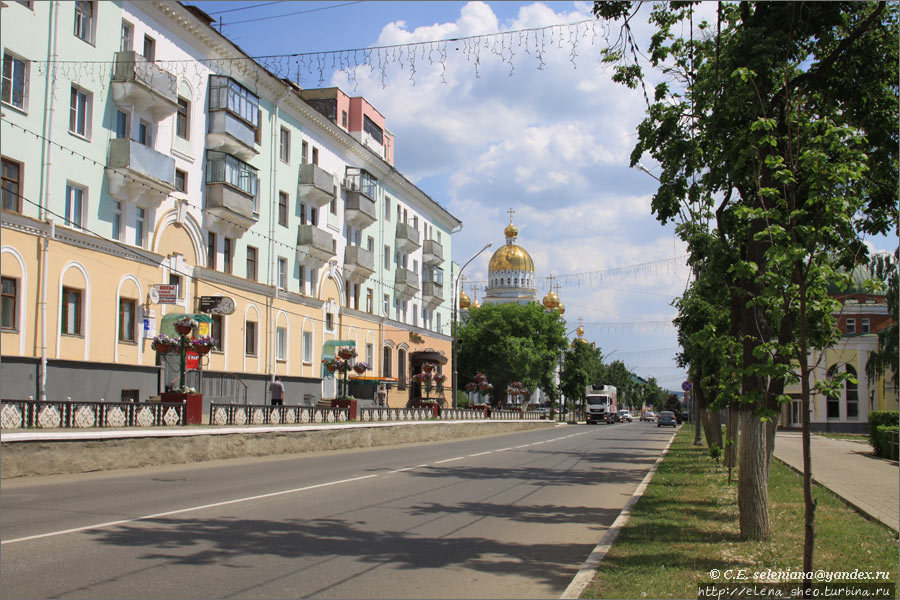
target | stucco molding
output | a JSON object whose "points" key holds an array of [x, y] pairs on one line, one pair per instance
{"points": [[85, 309], [20, 293]]}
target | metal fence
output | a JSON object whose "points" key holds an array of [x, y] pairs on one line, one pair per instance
{"points": [[84, 415]]}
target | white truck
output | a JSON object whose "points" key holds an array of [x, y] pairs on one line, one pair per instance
{"points": [[600, 404]]}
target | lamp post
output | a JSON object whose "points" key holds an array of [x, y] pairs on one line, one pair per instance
{"points": [[455, 301]]}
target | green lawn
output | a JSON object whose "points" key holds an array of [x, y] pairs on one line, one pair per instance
{"points": [[686, 524]]}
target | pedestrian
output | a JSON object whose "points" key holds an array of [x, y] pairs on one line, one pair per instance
{"points": [[276, 388], [381, 395]]}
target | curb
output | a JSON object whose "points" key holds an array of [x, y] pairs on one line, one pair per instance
{"points": [[587, 571]]}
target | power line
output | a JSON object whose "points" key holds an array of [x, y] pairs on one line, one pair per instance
{"points": [[290, 14], [255, 5]]}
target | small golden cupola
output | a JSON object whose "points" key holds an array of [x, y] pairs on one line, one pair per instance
{"points": [[561, 309], [551, 300], [464, 301]]}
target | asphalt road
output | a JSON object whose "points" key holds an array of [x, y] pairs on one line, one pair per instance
{"points": [[508, 516]]}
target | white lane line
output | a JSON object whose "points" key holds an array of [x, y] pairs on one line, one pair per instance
{"points": [[402, 470], [480, 453], [185, 510], [446, 460], [503, 449]]}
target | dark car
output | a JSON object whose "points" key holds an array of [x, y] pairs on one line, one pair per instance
{"points": [[666, 417]]}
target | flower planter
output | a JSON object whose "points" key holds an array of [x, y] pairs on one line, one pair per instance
{"points": [[193, 410], [427, 368], [183, 329], [202, 349], [360, 369], [331, 367], [163, 348], [346, 353]]}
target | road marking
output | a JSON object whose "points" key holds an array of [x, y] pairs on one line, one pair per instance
{"points": [[446, 460], [185, 510], [403, 469], [480, 453]]}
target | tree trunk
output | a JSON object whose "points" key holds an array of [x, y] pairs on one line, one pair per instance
{"points": [[712, 426], [753, 496], [732, 435]]}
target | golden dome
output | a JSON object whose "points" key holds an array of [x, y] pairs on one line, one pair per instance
{"points": [[551, 300], [511, 258], [561, 308], [464, 301], [511, 231], [580, 331], [476, 304]]}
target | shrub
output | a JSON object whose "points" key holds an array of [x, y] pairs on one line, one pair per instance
{"points": [[884, 441], [881, 417]]}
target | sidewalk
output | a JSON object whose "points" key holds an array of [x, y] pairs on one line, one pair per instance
{"points": [[849, 469]]}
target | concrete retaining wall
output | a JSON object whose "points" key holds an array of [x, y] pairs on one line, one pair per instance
{"points": [[33, 458]]}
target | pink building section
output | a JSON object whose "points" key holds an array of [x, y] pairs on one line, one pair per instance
{"points": [[355, 115]]}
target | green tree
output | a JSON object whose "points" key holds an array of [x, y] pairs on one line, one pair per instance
{"points": [[580, 368], [511, 342], [884, 360], [776, 133]]}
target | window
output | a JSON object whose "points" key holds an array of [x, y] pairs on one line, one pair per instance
{"points": [[304, 152], [84, 20], [851, 394], [307, 347], [387, 257], [127, 42], [387, 208], [183, 118], [329, 322], [181, 180], [117, 220], [386, 362], [218, 332], [313, 215], [372, 129], [344, 119], [251, 263], [864, 326], [401, 369], [283, 209], [280, 343], [284, 146], [227, 94], [302, 211], [370, 356], [250, 338], [149, 48], [15, 81], [370, 244], [127, 314], [224, 168], [438, 322], [121, 124], [332, 206], [386, 305], [227, 255], [851, 325], [74, 205], [11, 185], [415, 319], [9, 300], [315, 156], [80, 112], [145, 133], [71, 311], [370, 301], [833, 403], [210, 250], [139, 221], [282, 273], [302, 279], [175, 279]]}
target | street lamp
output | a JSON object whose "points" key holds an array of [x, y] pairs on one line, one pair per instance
{"points": [[455, 299]]}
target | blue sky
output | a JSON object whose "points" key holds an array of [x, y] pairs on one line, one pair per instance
{"points": [[551, 141]]}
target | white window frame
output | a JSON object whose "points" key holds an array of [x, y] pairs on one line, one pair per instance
{"points": [[71, 213], [282, 272], [307, 347], [140, 222], [80, 111], [117, 228], [850, 325], [281, 343], [84, 25], [126, 40], [9, 80], [865, 326]]}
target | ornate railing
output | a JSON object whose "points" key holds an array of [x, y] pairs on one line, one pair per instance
{"points": [[263, 414], [84, 415]]}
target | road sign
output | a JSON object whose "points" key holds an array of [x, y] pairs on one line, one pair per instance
{"points": [[164, 293], [686, 386]]}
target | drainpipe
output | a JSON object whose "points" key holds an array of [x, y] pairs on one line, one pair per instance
{"points": [[42, 376], [49, 103], [273, 162]]}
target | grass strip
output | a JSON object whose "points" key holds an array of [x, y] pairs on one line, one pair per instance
{"points": [[686, 524]]}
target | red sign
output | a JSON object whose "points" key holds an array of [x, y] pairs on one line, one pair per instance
{"points": [[191, 360], [168, 293]]}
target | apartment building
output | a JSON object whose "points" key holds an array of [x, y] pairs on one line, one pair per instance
{"points": [[141, 148]]}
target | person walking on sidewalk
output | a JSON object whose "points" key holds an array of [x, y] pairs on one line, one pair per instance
{"points": [[276, 389]]}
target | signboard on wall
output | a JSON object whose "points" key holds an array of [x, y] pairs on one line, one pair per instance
{"points": [[164, 293]]}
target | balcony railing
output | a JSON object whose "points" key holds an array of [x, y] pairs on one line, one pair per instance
{"points": [[406, 283], [359, 263], [432, 292], [142, 84], [359, 209], [314, 243], [316, 185], [138, 173], [432, 252], [407, 237], [230, 134], [231, 204]]}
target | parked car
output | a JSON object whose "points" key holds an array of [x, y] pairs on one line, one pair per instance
{"points": [[648, 416], [623, 416], [667, 417]]}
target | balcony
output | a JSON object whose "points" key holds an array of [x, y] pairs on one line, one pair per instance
{"points": [[142, 84], [407, 237], [359, 209], [406, 283], [316, 185], [230, 134], [314, 243], [139, 174], [234, 209], [432, 293], [432, 252], [359, 263]]}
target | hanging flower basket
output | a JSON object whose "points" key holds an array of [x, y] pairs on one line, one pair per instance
{"points": [[361, 367], [441, 378], [333, 364], [347, 353], [428, 367], [203, 344], [184, 326], [164, 344]]}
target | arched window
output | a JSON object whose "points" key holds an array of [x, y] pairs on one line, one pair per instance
{"points": [[832, 403], [401, 367], [851, 395], [386, 362]]}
